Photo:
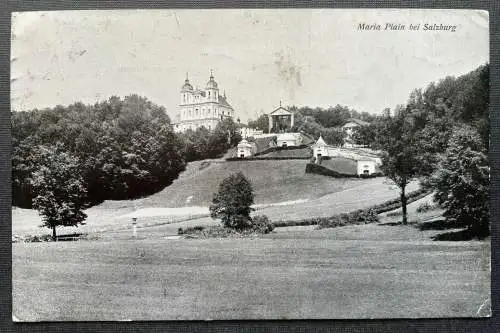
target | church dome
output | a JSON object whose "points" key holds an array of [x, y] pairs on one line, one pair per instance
{"points": [[187, 86], [211, 84]]}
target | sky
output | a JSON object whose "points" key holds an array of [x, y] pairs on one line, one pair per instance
{"points": [[300, 57]]}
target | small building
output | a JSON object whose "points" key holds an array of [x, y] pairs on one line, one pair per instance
{"points": [[366, 167], [246, 149], [320, 149], [288, 139], [280, 120]]}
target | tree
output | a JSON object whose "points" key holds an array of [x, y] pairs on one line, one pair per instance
{"points": [[225, 135], [400, 158], [364, 135], [232, 203], [58, 188], [462, 181], [261, 123]]}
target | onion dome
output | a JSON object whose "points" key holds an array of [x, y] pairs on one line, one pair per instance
{"points": [[186, 86], [211, 84]]}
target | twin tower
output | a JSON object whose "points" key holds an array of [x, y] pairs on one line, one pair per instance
{"points": [[199, 108]]}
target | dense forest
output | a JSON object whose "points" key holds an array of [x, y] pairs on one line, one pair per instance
{"points": [[124, 148]]}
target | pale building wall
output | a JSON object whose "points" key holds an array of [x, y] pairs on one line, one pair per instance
{"points": [[366, 165]]}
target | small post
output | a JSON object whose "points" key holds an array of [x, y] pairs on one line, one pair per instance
{"points": [[134, 227]]}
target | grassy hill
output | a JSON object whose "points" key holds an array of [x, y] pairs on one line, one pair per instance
{"points": [[272, 181], [342, 165]]}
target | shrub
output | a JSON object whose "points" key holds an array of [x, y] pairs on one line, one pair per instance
{"points": [[262, 224], [424, 207], [232, 203], [361, 216], [396, 213]]}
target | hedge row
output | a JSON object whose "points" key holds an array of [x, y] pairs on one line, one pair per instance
{"points": [[267, 158], [361, 216], [260, 225], [321, 170], [396, 203]]}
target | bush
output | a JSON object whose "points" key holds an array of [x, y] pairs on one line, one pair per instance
{"points": [[232, 203], [424, 207], [361, 216], [396, 213], [262, 224]]}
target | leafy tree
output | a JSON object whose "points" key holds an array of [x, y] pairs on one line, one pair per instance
{"points": [[400, 159], [58, 188], [364, 135], [462, 181], [232, 203], [126, 147], [261, 123], [224, 136]]}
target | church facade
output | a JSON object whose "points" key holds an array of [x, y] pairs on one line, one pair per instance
{"points": [[199, 108]]}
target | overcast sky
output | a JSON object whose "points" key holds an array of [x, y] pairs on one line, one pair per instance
{"points": [[259, 57]]}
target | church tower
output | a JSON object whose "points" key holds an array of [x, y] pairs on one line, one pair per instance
{"points": [[186, 92], [212, 90]]}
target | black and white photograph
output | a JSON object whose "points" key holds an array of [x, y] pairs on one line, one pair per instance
{"points": [[235, 164]]}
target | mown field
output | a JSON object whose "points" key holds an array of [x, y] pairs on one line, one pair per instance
{"points": [[264, 278]]}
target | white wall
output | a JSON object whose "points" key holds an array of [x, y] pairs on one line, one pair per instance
{"points": [[366, 165]]}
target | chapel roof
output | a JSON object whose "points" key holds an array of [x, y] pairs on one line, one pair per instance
{"points": [[223, 101], [357, 121]]}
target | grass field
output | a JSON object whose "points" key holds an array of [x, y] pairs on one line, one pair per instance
{"points": [[272, 181], [344, 196], [292, 275]]}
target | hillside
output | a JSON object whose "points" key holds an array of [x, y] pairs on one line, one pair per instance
{"points": [[341, 165], [289, 153], [272, 181]]}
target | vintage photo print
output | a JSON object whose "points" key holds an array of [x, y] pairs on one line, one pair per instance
{"points": [[250, 164]]}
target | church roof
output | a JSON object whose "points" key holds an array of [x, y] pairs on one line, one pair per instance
{"points": [[280, 111], [357, 121], [320, 142], [187, 86], [200, 92], [223, 101], [211, 84]]}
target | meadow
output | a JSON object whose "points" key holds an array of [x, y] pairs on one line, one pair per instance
{"points": [[382, 270], [335, 273]]}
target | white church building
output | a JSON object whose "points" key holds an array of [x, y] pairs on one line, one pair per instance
{"points": [[199, 108]]}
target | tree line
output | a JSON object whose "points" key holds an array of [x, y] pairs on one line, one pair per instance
{"points": [[123, 148], [441, 137], [70, 157]]}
